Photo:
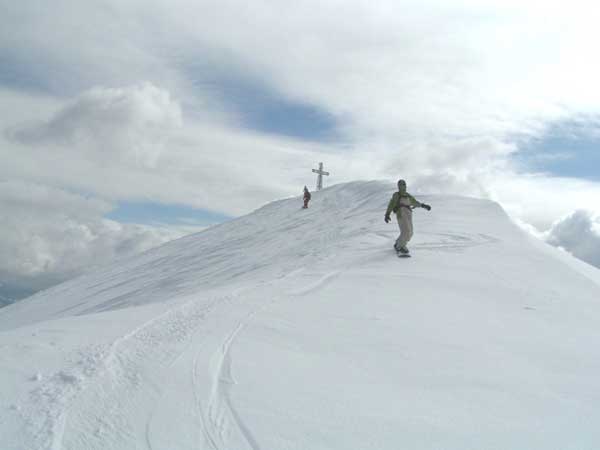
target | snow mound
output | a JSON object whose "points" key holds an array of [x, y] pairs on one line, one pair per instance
{"points": [[270, 242], [291, 328]]}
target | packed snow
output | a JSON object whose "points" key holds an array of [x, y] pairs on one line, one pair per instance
{"points": [[301, 329]]}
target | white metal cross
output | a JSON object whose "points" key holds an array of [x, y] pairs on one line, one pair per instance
{"points": [[320, 173]]}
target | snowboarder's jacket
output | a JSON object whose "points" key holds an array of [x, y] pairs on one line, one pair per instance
{"points": [[306, 197], [398, 201]]}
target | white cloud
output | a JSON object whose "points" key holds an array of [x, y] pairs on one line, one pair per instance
{"points": [[540, 199], [128, 125], [132, 144], [391, 70], [425, 86], [431, 91], [403, 69], [579, 234], [49, 235]]}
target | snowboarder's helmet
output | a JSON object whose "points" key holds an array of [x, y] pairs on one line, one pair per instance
{"points": [[402, 187]]}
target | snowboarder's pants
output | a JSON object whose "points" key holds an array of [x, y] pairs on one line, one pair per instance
{"points": [[406, 227], [305, 203]]}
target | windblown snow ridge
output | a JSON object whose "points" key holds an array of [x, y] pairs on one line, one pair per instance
{"points": [[273, 240]]}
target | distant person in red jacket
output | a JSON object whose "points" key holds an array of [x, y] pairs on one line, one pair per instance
{"points": [[306, 197]]}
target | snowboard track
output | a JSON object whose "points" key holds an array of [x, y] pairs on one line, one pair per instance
{"points": [[115, 368], [221, 409]]}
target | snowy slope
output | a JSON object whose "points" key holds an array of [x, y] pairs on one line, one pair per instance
{"points": [[301, 329]]}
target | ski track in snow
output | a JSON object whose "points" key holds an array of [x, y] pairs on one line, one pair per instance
{"points": [[207, 433], [154, 341], [45, 416], [455, 242], [317, 284], [168, 339], [118, 367], [222, 413]]}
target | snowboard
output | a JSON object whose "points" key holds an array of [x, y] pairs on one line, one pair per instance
{"points": [[401, 255]]}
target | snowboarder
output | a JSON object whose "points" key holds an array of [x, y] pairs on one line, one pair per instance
{"points": [[306, 197], [402, 203]]}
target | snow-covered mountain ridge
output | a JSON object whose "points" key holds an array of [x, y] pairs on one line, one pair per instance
{"points": [[291, 328]]}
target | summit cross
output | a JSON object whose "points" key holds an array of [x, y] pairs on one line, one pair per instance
{"points": [[320, 173]]}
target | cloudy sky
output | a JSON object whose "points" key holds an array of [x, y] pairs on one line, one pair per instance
{"points": [[126, 123]]}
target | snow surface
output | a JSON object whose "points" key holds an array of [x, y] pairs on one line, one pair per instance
{"points": [[301, 329]]}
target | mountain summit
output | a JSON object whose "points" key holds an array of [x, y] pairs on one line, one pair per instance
{"points": [[301, 329]]}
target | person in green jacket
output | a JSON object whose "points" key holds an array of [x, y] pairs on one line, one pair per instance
{"points": [[402, 203]]}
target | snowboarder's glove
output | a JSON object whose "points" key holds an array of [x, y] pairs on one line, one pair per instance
{"points": [[387, 219], [426, 206]]}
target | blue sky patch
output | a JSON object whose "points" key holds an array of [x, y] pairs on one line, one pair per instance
{"points": [[261, 107], [36, 72], [20, 74], [150, 213], [570, 149]]}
